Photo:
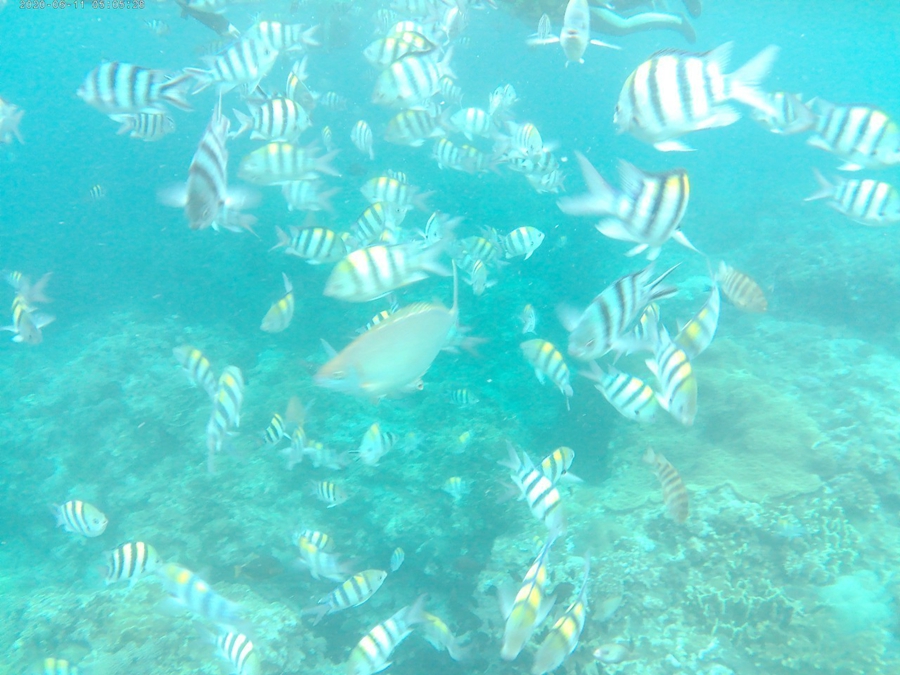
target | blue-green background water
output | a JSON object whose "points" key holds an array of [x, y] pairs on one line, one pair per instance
{"points": [[99, 411]]}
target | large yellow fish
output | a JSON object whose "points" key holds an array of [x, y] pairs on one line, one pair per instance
{"points": [[392, 357]]}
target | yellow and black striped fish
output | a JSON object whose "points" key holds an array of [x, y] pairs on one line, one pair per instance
{"points": [[548, 362], [538, 492], [237, 648], [280, 314], [675, 495], [81, 518], [528, 609], [197, 368], [741, 290], [562, 638], [131, 561], [373, 652], [352, 593]]}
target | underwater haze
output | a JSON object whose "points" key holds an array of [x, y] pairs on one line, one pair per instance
{"points": [[464, 345]]}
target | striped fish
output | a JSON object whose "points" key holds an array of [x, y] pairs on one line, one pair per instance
{"points": [[528, 608], [54, 666], [197, 368], [631, 396], [115, 88], [555, 466], [191, 592], [382, 53], [436, 631], [792, 115], [283, 37], [674, 93], [448, 155], [316, 245], [524, 140], [277, 119], [563, 637], [321, 564], [413, 127], [397, 558], [329, 493], [279, 163], [131, 561], [276, 431], [226, 412], [863, 136], [331, 100], [673, 371], [480, 248], [246, 62], [647, 211], [147, 126], [538, 492], [412, 80], [463, 397], [317, 539], [450, 91], [27, 323], [472, 122], [741, 290], [361, 136], [373, 652], [79, 517], [698, 333], [237, 649], [375, 220], [308, 195], [675, 494], [392, 191], [604, 324], [327, 139], [867, 202], [548, 362], [522, 241], [206, 199], [373, 272], [279, 316], [375, 445], [352, 593]]}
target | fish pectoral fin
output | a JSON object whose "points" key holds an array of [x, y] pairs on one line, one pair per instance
{"points": [[329, 350], [539, 375]]}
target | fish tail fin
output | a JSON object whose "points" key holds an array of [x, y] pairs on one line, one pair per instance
{"points": [[323, 164], [284, 239], [202, 78], [319, 611], [744, 82], [246, 122], [600, 199], [175, 90], [826, 188]]}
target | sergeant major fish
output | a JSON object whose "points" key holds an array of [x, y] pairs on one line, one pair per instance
{"points": [[193, 593], [548, 362], [674, 93], [371, 655], [647, 211], [865, 137], [279, 316], [131, 561], [525, 610], [81, 518], [538, 492], [629, 395], [576, 33], [867, 202], [352, 593], [603, 325], [562, 638], [115, 87], [197, 368]]}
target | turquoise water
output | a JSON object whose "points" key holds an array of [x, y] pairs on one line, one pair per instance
{"points": [[786, 562]]}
